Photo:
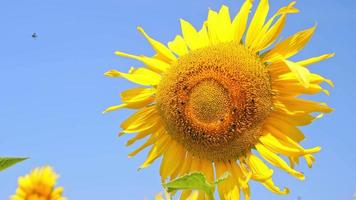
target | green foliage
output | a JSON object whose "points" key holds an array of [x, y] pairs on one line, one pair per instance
{"points": [[194, 181], [6, 162]]}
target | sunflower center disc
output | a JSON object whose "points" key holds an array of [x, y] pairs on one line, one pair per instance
{"points": [[208, 102], [214, 101]]}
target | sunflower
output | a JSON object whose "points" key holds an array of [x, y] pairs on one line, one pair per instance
{"points": [[193, 196], [39, 185], [225, 97]]}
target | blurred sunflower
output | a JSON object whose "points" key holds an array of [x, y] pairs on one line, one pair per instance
{"points": [[193, 196], [214, 98], [39, 185]]}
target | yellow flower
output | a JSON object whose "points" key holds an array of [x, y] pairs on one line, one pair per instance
{"points": [[39, 185], [214, 98], [193, 196]]}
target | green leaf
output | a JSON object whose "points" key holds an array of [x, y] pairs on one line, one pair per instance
{"points": [[194, 181], [6, 162]]}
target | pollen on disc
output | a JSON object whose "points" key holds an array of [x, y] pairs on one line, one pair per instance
{"points": [[208, 102]]}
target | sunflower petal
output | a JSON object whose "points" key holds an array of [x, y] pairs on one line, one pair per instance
{"points": [[301, 73], [257, 22], [154, 64], [240, 21], [260, 171], [269, 184], [181, 160], [223, 187], [193, 39], [286, 128], [313, 60], [302, 105], [153, 138], [290, 46], [207, 169], [140, 76], [156, 151], [310, 159], [178, 46], [137, 94], [141, 120], [157, 46], [283, 148], [212, 25], [277, 161], [143, 134], [269, 33], [219, 25], [135, 98], [169, 161]]}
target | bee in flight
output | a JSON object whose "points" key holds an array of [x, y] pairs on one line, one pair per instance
{"points": [[34, 35]]}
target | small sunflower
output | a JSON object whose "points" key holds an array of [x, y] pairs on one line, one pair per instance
{"points": [[39, 185], [193, 196], [215, 98]]}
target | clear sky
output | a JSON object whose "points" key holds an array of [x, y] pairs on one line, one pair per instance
{"points": [[52, 92]]}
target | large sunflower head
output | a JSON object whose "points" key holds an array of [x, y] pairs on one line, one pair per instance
{"points": [[215, 98], [39, 185]]}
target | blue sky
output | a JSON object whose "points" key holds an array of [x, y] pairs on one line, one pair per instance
{"points": [[53, 92]]}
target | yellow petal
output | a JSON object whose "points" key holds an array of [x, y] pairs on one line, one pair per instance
{"points": [[289, 77], [310, 159], [158, 47], [178, 46], [257, 22], [159, 197], [203, 37], [301, 73], [144, 118], [169, 161], [154, 64], [240, 21], [143, 134], [116, 107], [277, 161], [283, 137], [284, 148], [313, 60], [289, 46], [137, 94], [241, 176], [197, 196], [269, 184], [269, 33], [223, 188], [195, 165], [296, 89], [181, 161], [187, 163], [135, 98], [153, 138], [260, 171], [156, 151], [296, 119], [212, 25], [207, 169], [185, 195], [286, 128], [302, 105], [219, 25], [193, 39], [140, 76]]}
